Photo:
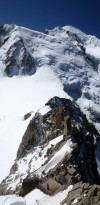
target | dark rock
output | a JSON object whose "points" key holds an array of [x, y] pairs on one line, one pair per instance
{"points": [[62, 180], [28, 184], [78, 194], [5, 31], [26, 116], [14, 168], [41, 129], [18, 60], [93, 191]]}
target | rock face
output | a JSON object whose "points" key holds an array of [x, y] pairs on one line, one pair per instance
{"points": [[79, 166], [5, 32], [83, 194], [17, 59], [40, 130], [84, 155]]}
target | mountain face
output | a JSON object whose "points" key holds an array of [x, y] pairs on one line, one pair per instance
{"points": [[72, 55], [17, 58], [39, 74], [41, 130]]}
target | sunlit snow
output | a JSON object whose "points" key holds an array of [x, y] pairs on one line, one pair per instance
{"points": [[20, 95], [36, 196]]}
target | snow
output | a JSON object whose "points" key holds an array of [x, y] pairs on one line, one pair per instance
{"points": [[58, 156], [34, 197], [73, 30], [32, 162], [19, 96], [44, 110], [75, 201], [95, 51], [58, 52], [12, 200], [37, 196]]}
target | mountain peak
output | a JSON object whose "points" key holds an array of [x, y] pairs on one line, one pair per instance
{"points": [[72, 29], [7, 27]]}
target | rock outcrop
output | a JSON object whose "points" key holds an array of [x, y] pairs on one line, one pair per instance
{"points": [[40, 130], [83, 194], [18, 60]]}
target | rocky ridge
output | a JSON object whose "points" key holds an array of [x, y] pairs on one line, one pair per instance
{"points": [[78, 167], [83, 193]]}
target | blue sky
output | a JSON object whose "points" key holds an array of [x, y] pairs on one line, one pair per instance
{"points": [[41, 14]]}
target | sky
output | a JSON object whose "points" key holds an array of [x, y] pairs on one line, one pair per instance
{"points": [[41, 14]]}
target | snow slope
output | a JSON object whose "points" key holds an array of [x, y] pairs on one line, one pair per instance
{"points": [[12, 200], [32, 163], [35, 197], [19, 96], [58, 156]]}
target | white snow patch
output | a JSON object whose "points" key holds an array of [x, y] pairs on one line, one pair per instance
{"points": [[95, 51], [12, 200], [44, 110], [33, 196], [75, 201], [36, 196], [58, 156]]}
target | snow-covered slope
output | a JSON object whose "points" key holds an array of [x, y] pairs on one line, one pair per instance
{"points": [[20, 96], [35, 197], [36, 66]]}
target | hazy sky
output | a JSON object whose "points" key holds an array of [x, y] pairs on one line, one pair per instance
{"points": [[41, 14]]}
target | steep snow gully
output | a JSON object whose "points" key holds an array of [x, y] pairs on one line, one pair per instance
{"points": [[34, 68]]}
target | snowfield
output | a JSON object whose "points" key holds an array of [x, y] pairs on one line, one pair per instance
{"points": [[12, 200], [19, 96]]}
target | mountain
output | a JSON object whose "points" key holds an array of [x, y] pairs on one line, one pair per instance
{"points": [[39, 74]]}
